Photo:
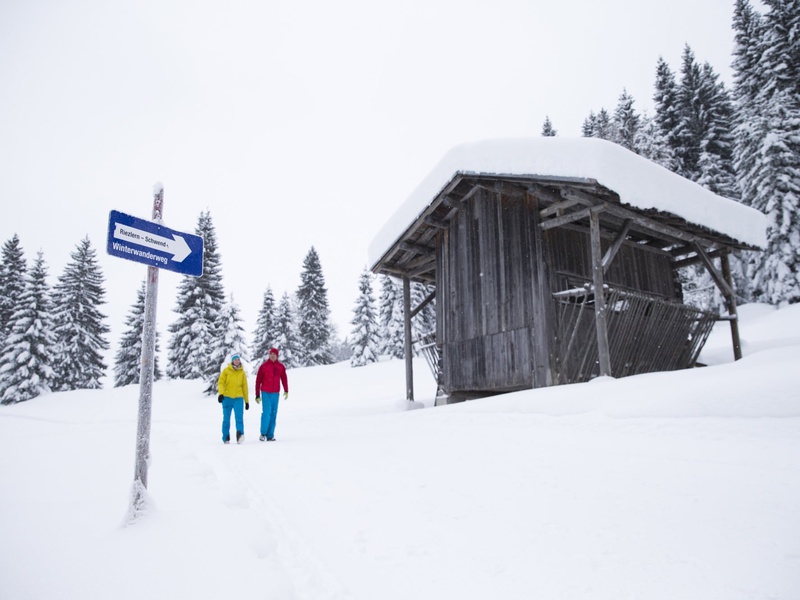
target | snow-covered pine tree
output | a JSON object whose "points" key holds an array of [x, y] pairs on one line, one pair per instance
{"points": [[233, 341], [547, 128], [424, 322], [690, 129], [715, 165], [651, 143], [667, 117], [589, 125], [264, 333], [749, 80], [79, 326], [364, 339], [194, 336], [12, 282], [25, 370], [313, 313], [626, 122], [390, 318], [128, 360], [604, 126], [286, 337], [775, 273]]}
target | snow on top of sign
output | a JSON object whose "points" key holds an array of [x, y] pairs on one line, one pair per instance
{"points": [[640, 183]]}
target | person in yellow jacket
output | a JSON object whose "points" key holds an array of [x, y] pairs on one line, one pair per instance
{"points": [[232, 386]]}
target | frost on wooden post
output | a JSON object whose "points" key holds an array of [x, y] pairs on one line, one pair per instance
{"points": [[141, 503]]}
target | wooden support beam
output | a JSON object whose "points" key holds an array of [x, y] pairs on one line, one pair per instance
{"points": [[614, 248], [434, 222], [422, 269], [543, 193], [564, 219], [578, 196], [418, 261], [693, 260], [416, 248], [732, 312], [407, 341], [651, 225], [601, 326], [428, 299], [727, 291], [557, 207]]}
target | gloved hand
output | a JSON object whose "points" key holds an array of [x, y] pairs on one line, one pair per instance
{"points": [[285, 395], [219, 398], [247, 406], [258, 399]]}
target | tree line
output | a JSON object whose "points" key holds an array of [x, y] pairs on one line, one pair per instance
{"points": [[54, 339]]}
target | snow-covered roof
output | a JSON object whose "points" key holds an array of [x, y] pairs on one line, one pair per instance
{"points": [[639, 183]]}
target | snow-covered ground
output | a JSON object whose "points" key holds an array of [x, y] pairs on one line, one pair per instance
{"points": [[666, 486]]}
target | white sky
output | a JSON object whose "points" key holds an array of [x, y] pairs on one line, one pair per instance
{"points": [[295, 123], [662, 486]]}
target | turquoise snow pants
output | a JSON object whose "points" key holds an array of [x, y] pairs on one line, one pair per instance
{"points": [[237, 406], [269, 413]]}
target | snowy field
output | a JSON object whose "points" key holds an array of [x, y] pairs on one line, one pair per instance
{"points": [[673, 486]]}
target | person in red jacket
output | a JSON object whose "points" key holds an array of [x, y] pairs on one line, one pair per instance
{"points": [[271, 374]]}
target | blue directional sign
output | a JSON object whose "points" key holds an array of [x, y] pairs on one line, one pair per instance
{"points": [[147, 242]]}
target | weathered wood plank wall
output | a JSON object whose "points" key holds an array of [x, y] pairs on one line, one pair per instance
{"points": [[484, 269]]}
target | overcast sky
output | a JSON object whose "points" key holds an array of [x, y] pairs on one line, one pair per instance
{"points": [[296, 123]]}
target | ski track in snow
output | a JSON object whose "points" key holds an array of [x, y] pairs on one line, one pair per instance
{"points": [[274, 541]]}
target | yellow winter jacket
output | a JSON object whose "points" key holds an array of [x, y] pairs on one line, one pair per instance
{"points": [[233, 383]]}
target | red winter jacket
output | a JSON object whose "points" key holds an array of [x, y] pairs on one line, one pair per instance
{"points": [[270, 376]]}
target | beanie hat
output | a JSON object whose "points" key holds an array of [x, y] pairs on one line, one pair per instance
{"points": [[235, 356], [273, 351]]}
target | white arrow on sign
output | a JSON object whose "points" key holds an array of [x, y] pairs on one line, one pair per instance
{"points": [[176, 245]]}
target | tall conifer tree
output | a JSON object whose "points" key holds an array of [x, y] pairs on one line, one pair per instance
{"points": [[775, 187], [79, 326], [25, 370], [194, 336], [667, 117], [313, 313], [12, 282]]}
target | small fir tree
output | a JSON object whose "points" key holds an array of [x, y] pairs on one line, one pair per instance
{"points": [[264, 334], [25, 370], [626, 122], [128, 360], [390, 318], [547, 128], [232, 341], [286, 337], [364, 337], [79, 326], [313, 313]]}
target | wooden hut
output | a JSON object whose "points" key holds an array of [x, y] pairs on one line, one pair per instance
{"points": [[554, 261]]}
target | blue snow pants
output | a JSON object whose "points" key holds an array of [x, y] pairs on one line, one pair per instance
{"points": [[237, 406], [269, 413]]}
